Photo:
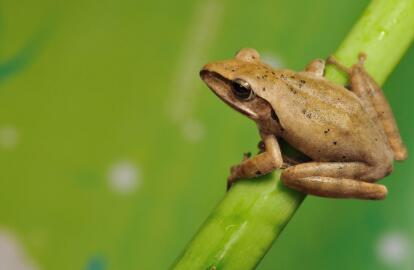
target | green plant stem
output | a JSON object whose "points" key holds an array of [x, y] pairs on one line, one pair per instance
{"points": [[384, 32], [242, 228]]}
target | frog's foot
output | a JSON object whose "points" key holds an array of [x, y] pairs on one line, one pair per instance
{"points": [[362, 57], [333, 61], [316, 67], [334, 180], [361, 61], [260, 164], [246, 156]]}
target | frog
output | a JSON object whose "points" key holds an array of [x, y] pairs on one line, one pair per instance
{"points": [[348, 132]]}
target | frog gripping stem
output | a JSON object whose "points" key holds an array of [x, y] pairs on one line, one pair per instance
{"points": [[229, 237]]}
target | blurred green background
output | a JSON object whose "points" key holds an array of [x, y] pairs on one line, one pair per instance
{"points": [[113, 152]]}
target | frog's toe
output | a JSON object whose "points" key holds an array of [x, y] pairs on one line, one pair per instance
{"points": [[333, 61], [246, 156]]}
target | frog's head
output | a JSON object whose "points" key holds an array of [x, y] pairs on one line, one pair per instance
{"points": [[240, 83]]}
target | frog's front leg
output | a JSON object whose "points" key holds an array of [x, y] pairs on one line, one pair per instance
{"points": [[263, 163], [315, 67], [334, 179], [287, 161]]}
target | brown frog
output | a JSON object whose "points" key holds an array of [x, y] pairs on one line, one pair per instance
{"points": [[350, 136]]}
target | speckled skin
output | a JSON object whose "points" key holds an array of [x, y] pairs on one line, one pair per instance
{"points": [[348, 145]]}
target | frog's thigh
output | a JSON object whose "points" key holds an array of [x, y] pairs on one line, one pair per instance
{"points": [[316, 67], [333, 179], [263, 163], [375, 103], [370, 92]]}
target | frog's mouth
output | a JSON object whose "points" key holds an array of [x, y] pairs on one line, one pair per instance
{"points": [[222, 87]]}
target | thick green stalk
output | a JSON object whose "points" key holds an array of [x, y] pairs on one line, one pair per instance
{"points": [[242, 228], [384, 32]]}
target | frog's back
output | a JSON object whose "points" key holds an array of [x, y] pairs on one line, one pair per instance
{"points": [[326, 121]]}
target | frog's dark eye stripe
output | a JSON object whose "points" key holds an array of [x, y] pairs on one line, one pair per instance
{"points": [[242, 90]]}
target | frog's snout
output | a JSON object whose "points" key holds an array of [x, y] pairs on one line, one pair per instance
{"points": [[206, 68], [223, 69], [209, 78], [203, 73], [208, 73], [225, 90]]}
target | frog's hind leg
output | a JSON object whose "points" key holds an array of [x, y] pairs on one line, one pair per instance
{"points": [[334, 180], [375, 103]]}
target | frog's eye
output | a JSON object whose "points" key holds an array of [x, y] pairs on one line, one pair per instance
{"points": [[242, 90]]}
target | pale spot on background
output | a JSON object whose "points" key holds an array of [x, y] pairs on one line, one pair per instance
{"points": [[124, 177], [193, 130], [12, 255], [204, 26], [393, 249], [9, 137], [271, 59]]}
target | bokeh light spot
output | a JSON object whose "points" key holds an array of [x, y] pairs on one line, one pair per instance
{"points": [[9, 137], [271, 59], [96, 263], [12, 255], [393, 248], [193, 131], [124, 177]]}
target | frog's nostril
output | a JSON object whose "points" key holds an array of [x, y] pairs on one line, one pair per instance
{"points": [[203, 73]]}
